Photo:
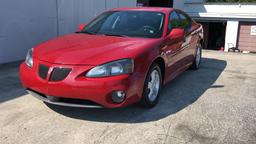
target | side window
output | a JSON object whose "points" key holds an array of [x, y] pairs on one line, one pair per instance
{"points": [[173, 21], [185, 22]]}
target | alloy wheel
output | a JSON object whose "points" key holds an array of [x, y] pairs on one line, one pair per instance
{"points": [[153, 85], [198, 56]]}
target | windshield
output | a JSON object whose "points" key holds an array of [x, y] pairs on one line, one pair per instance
{"points": [[127, 23]]}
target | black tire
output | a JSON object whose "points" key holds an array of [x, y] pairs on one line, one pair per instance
{"points": [[145, 100], [196, 65]]}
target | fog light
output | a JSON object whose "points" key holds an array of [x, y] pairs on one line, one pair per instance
{"points": [[118, 96]]}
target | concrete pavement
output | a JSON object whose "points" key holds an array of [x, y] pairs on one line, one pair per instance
{"points": [[216, 104]]}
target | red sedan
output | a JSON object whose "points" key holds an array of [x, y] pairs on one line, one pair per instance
{"points": [[123, 56]]}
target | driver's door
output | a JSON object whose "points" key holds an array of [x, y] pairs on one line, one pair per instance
{"points": [[173, 47]]}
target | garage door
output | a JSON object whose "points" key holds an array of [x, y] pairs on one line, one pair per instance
{"points": [[247, 37]]}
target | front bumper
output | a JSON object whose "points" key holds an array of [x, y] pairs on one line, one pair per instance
{"points": [[44, 98], [78, 87]]}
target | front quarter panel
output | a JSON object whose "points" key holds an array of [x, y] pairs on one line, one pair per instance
{"points": [[144, 60]]}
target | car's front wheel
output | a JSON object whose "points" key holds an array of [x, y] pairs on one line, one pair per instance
{"points": [[152, 87]]}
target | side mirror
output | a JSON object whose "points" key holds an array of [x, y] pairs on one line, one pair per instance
{"points": [[176, 33], [81, 27]]}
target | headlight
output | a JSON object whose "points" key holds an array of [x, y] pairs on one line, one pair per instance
{"points": [[115, 68], [29, 58]]}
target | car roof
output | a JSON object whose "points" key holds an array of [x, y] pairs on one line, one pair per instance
{"points": [[155, 9]]}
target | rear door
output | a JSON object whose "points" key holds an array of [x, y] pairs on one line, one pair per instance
{"points": [[191, 38]]}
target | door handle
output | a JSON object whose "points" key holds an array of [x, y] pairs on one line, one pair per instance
{"points": [[168, 52]]}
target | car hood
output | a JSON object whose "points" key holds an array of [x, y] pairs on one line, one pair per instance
{"points": [[89, 49]]}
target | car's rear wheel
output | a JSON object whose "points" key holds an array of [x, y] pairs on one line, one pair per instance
{"points": [[198, 57], [152, 87]]}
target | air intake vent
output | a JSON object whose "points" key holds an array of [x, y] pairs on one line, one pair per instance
{"points": [[42, 71], [59, 74]]}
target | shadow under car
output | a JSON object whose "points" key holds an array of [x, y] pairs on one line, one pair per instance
{"points": [[175, 96]]}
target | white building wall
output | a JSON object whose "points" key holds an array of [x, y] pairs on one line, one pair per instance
{"points": [[179, 4], [74, 12], [231, 34], [23, 24]]}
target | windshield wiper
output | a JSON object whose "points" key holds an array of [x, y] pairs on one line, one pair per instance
{"points": [[92, 33], [86, 32], [118, 35]]}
